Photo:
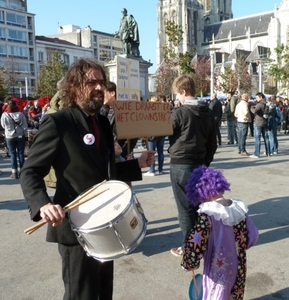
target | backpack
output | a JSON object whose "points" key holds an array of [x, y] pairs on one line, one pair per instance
{"points": [[269, 110]]}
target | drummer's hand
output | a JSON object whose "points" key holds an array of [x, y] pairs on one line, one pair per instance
{"points": [[146, 159], [52, 213]]}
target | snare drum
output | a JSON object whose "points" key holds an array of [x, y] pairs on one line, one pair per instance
{"points": [[111, 224]]}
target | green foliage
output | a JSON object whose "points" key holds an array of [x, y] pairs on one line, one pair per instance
{"points": [[173, 55], [279, 67], [229, 81], [236, 80], [50, 74], [3, 87]]}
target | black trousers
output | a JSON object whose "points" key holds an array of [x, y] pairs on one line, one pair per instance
{"points": [[84, 277]]}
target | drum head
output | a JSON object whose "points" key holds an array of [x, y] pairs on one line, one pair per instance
{"points": [[104, 208]]}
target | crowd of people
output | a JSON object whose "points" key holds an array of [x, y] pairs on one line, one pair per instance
{"points": [[77, 139]]}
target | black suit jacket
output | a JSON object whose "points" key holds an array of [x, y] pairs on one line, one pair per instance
{"points": [[78, 166]]}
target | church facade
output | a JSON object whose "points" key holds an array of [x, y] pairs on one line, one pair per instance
{"points": [[210, 24]]}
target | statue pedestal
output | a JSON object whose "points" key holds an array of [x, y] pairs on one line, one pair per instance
{"points": [[143, 73]]}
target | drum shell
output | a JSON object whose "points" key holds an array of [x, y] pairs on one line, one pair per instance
{"points": [[117, 237]]}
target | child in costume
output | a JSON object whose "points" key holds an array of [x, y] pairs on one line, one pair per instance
{"points": [[221, 236]]}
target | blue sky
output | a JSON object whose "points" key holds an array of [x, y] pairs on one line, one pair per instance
{"points": [[105, 16]]}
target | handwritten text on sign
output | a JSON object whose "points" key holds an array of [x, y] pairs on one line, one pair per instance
{"points": [[142, 119]]}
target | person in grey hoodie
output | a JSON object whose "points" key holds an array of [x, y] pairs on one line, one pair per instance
{"points": [[192, 144], [16, 133]]}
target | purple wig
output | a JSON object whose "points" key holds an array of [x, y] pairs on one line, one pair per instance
{"points": [[205, 183]]}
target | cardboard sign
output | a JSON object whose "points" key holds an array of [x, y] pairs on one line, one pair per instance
{"points": [[128, 79], [136, 119]]}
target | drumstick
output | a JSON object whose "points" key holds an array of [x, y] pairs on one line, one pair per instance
{"points": [[67, 208], [195, 284], [41, 223]]}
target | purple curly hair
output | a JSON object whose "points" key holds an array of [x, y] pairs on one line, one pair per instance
{"points": [[205, 183]]}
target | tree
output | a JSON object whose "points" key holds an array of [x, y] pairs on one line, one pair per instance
{"points": [[3, 87], [244, 79], [164, 78], [279, 67], [228, 80], [236, 78], [50, 74], [202, 68], [173, 55]]}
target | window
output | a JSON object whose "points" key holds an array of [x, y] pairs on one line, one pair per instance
{"points": [[65, 58], [94, 38], [15, 5], [40, 56], [3, 49], [14, 19], [104, 55], [3, 3], [18, 51], [16, 35], [104, 43], [23, 67], [2, 34], [95, 53], [1, 16], [75, 58], [116, 45]]}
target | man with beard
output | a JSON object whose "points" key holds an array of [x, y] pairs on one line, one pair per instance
{"points": [[77, 141]]}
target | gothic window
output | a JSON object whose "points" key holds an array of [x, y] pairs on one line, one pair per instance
{"points": [[174, 16], [196, 27]]}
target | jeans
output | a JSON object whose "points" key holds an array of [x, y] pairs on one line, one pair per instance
{"points": [[232, 131], [273, 141], [242, 136], [16, 148], [258, 131], [187, 213], [158, 143]]}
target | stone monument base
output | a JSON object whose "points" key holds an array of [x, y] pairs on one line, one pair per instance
{"points": [[143, 72]]}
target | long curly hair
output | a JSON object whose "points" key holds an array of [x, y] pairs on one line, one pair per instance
{"points": [[74, 79], [205, 183]]}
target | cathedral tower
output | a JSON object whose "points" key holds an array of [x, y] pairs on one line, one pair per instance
{"points": [[193, 15], [216, 10]]}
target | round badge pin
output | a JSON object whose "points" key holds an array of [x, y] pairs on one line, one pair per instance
{"points": [[89, 139]]}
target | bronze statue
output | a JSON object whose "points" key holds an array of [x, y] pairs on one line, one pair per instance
{"points": [[128, 34]]}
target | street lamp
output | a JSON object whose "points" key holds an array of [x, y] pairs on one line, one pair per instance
{"points": [[212, 54]]}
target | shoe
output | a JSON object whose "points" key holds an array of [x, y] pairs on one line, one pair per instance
{"points": [[230, 143], [160, 173], [236, 143], [239, 152], [140, 147], [275, 153], [245, 153], [254, 156], [14, 176], [149, 174], [177, 251]]}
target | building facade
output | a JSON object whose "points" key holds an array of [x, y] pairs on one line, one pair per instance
{"points": [[17, 45], [210, 24], [69, 52], [104, 45]]}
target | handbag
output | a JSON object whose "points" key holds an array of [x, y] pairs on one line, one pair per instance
{"points": [[196, 287]]}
